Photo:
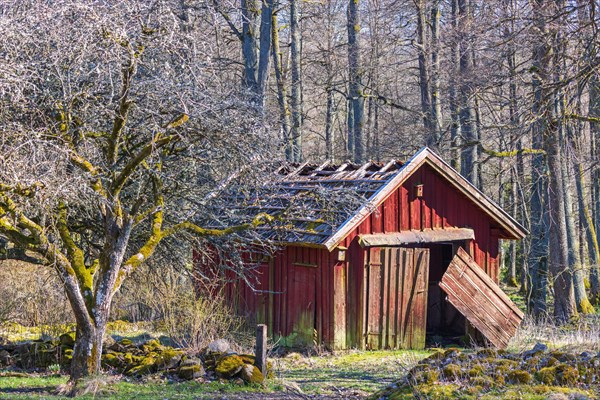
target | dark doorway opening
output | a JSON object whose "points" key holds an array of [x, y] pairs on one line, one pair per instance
{"points": [[445, 325]]}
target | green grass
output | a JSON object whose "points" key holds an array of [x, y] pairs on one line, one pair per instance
{"points": [[45, 387], [346, 374], [354, 372]]}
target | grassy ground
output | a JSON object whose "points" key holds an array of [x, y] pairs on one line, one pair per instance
{"points": [[352, 375]]}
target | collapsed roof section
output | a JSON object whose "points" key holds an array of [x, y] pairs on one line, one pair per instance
{"points": [[320, 205]]}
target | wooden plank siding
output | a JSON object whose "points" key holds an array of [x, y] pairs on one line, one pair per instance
{"points": [[480, 300], [339, 287]]}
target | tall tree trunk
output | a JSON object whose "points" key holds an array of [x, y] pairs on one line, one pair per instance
{"points": [[436, 104], [296, 99], [575, 262], [469, 156], [424, 83], [594, 112], [455, 131], [590, 232], [564, 300], [250, 45], [356, 97], [266, 21], [538, 249], [284, 114], [512, 250]]}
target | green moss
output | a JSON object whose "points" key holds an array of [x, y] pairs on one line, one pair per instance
{"points": [[424, 373], [567, 375], [228, 366], [482, 381], [452, 371], [189, 372], [145, 366], [551, 361], [113, 360], [585, 307], [169, 358], [67, 339], [452, 351], [247, 358], [519, 376], [251, 374], [546, 375], [477, 370], [487, 353]]}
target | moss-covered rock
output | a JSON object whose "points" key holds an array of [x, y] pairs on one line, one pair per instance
{"points": [[477, 370], [424, 374], [482, 381], [146, 365], [567, 375], [67, 339], [251, 374], [189, 372], [519, 377], [546, 375], [169, 358], [228, 366], [248, 358], [452, 371], [152, 346]]}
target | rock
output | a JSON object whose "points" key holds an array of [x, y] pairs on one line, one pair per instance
{"points": [[151, 345], [191, 361], [146, 365], [520, 377], [452, 371], [218, 346], [537, 349], [67, 339], [251, 374], [168, 359], [586, 356], [547, 375], [228, 366], [108, 342], [189, 372], [248, 358], [5, 358]]}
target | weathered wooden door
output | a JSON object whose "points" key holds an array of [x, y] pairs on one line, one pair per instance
{"points": [[302, 306], [395, 298], [480, 300]]}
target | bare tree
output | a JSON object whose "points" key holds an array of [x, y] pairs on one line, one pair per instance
{"points": [[115, 131]]}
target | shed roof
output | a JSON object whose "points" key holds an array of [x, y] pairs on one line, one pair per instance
{"points": [[321, 204]]}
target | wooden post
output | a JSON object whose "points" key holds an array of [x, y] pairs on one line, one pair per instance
{"points": [[261, 348]]}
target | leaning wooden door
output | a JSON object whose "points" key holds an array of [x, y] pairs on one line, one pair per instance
{"points": [[480, 300], [395, 298]]}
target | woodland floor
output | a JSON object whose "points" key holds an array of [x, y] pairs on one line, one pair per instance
{"points": [[352, 375]]}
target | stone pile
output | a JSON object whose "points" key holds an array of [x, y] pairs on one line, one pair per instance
{"points": [[217, 361], [491, 368]]}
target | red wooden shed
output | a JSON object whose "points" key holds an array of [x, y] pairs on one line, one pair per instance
{"points": [[418, 257]]}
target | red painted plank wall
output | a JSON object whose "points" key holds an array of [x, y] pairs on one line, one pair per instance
{"points": [[284, 301], [441, 206]]}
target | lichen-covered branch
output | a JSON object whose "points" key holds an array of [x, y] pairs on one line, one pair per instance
{"points": [[136, 161], [76, 256]]}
